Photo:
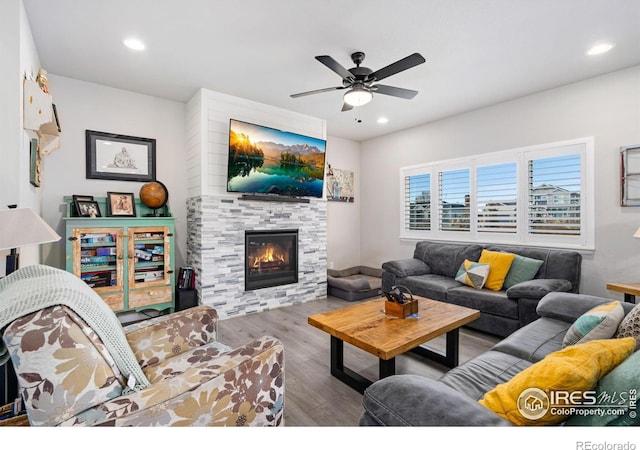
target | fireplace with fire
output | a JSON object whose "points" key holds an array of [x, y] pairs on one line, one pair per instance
{"points": [[271, 258]]}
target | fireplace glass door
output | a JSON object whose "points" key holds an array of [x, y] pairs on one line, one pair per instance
{"points": [[271, 258]]}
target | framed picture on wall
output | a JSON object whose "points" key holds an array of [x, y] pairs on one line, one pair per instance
{"points": [[630, 175], [34, 163], [118, 157]]}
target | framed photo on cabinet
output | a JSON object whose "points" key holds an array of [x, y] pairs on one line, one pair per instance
{"points": [[121, 204]]}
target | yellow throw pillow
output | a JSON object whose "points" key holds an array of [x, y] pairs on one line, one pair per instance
{"points": [[574, 368], [500, 264]]}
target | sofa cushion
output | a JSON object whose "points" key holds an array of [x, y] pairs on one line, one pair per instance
{"points": [[522, 269], [535, 341], [406, 267], [558, 264], [630, 325], [485, 300], [483, 373], [568, 307], [429, 286], [574, 368], [473, 274], [600, 322], [500, 264], [538, 288], [405, 400], [445, 259], [623, 379]]}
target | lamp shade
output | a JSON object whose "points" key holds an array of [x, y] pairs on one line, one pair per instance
{"points": [[637, 233], [357, 96], [22, 226]]}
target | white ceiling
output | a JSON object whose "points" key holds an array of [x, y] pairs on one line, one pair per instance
{"points": [[478, 52]]}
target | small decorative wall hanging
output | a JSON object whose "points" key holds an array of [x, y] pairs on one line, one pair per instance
{"points": [[630, 175], [339, 185]]}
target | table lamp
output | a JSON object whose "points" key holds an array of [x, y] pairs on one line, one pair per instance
{"points": [[20, 227]]}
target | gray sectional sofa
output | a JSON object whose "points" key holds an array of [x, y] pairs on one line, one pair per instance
{"points": [[452, 400], [432, 270]]}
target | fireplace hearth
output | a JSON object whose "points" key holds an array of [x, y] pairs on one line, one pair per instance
{"points": [[271, 258]]}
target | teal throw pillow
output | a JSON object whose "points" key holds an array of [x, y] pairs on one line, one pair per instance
{"points": [[600, 322], [522, 269], [616, 391]]}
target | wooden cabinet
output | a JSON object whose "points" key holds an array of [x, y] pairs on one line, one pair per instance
{"points": [[128, 261]]}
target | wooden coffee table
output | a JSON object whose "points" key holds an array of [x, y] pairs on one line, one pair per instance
{"points": [[366, 326]]}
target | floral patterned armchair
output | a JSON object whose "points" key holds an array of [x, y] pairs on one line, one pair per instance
{"points": [[68, 377]]}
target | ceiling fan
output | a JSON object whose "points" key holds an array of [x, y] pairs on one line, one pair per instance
{"points": [[362, 81]]}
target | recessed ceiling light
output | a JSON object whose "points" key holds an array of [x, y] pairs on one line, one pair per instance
{"points": [[134, 44], [383, 120], [599, 49]]}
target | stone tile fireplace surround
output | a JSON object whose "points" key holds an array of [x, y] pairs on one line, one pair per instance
{"points": [[216, 228]]}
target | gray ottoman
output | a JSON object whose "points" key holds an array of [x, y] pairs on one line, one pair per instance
{"points": [[354, 283]]}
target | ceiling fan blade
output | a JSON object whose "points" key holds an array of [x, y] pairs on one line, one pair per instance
{"points": [[317, 91], [398, 66], [346, 107], [336, 67], [394, 91]]}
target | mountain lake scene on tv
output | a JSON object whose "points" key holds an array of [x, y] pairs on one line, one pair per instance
{"points": [[269, 161]]}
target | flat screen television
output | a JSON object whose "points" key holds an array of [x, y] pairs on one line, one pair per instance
{"points": [[264, 160]]}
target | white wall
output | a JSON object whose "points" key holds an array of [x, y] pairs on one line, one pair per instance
{"points": [[86, 106], [343, 219], [19, 56], [606, 107]]}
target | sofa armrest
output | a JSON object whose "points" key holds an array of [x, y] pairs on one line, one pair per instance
{"points": [[406, 267], [567, 306], [162, 337], [538, 288], [242, 387], [412, 400]]}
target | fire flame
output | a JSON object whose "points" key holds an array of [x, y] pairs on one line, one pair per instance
{"points": [[267, 256]]}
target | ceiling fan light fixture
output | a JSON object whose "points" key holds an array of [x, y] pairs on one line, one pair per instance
{"points": [[357, 96]]}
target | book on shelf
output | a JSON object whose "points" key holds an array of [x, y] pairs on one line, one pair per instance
{"points": [[91, 238], [142, 276], [186, 278], [97, 259], [99, 279]]}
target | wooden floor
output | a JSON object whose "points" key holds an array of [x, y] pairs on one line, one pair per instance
{"points": [[312, 396]]}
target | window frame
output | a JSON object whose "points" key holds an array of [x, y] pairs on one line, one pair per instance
{"points": [[585, 147]]}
